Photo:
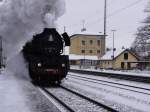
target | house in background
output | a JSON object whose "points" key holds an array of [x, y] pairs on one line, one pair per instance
{"points": [[86, 49], [123, 59]]}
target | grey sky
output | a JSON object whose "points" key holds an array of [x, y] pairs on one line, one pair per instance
{"points": [[125, 22]]}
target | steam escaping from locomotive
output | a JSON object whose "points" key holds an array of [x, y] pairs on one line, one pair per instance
{"points": [[21, 19]]}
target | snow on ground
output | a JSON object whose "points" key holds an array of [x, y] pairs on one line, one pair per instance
{"points": [[78, 57], [121, 72], [100, 98], [130, 99], [19, 95], [121, 81], [11, 100], [122, 87]]}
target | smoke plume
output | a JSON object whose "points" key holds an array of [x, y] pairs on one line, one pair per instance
{"points": [[20, 19]]}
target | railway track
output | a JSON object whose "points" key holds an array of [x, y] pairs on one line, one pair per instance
{"points": [[130, 77], [80, 100], [111, 84], [58, 100]]}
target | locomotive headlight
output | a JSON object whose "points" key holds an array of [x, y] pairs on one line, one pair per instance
{"points": [[63, 65], [39, 64]]}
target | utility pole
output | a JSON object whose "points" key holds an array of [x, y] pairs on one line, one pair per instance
{"points": [[64, 28], [105, 26], [1, 56], [113, 45], [105, 17], [113, 41], [105, 23]]}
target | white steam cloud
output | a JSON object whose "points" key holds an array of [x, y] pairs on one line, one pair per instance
{"points": [[20, 19]]}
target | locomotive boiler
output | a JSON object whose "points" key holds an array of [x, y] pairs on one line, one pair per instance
{"points": [[44, 54]]}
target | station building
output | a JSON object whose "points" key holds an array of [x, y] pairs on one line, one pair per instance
{"points": [[86, 49]]}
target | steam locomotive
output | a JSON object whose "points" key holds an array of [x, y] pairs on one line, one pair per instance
{"points": [[44, 54]]}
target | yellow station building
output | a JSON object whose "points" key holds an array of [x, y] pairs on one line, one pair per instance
{"points": [[86, 49]]}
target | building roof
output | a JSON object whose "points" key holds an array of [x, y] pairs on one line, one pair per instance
{"points": [[117, 52], [86, 34], [79, 57], [108, 55]]}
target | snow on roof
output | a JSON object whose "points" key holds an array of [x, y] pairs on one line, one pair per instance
{"points": [[78, 57], [87, 33], [109, 54]]}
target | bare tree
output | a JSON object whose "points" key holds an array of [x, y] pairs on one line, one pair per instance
{"points": [[141, 44]]}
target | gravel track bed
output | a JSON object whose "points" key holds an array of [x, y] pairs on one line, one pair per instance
{"points": [[75, 102]]}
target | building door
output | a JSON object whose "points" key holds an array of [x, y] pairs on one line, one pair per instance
{"points": [[122, 65], [129, 65]]}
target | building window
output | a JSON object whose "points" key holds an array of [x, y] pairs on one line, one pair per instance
{"points": [[83, 42], [91, 51], [83, 51], [126, 56], [98, 42], [91, 42], [98, 51]]}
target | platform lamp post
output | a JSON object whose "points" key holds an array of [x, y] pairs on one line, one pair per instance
{"points": [[113, 46], [84, 63]]}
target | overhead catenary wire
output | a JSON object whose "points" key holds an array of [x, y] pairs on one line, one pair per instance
{"points": [[118, 11], [89, 24], [89, 17]]}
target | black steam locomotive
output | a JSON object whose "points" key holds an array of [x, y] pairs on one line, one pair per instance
{"points": [[44, 56]]}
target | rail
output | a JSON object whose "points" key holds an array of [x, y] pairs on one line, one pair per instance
{"points": [[67, 107], [112, 84], [130, 77], [58, 100], [90, 100]]}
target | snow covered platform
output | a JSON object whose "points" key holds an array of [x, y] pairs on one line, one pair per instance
{"points": [[140, 77], [19, 95]]}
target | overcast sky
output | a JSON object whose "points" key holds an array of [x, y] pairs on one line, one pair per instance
{"points": [[126, 17]]}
